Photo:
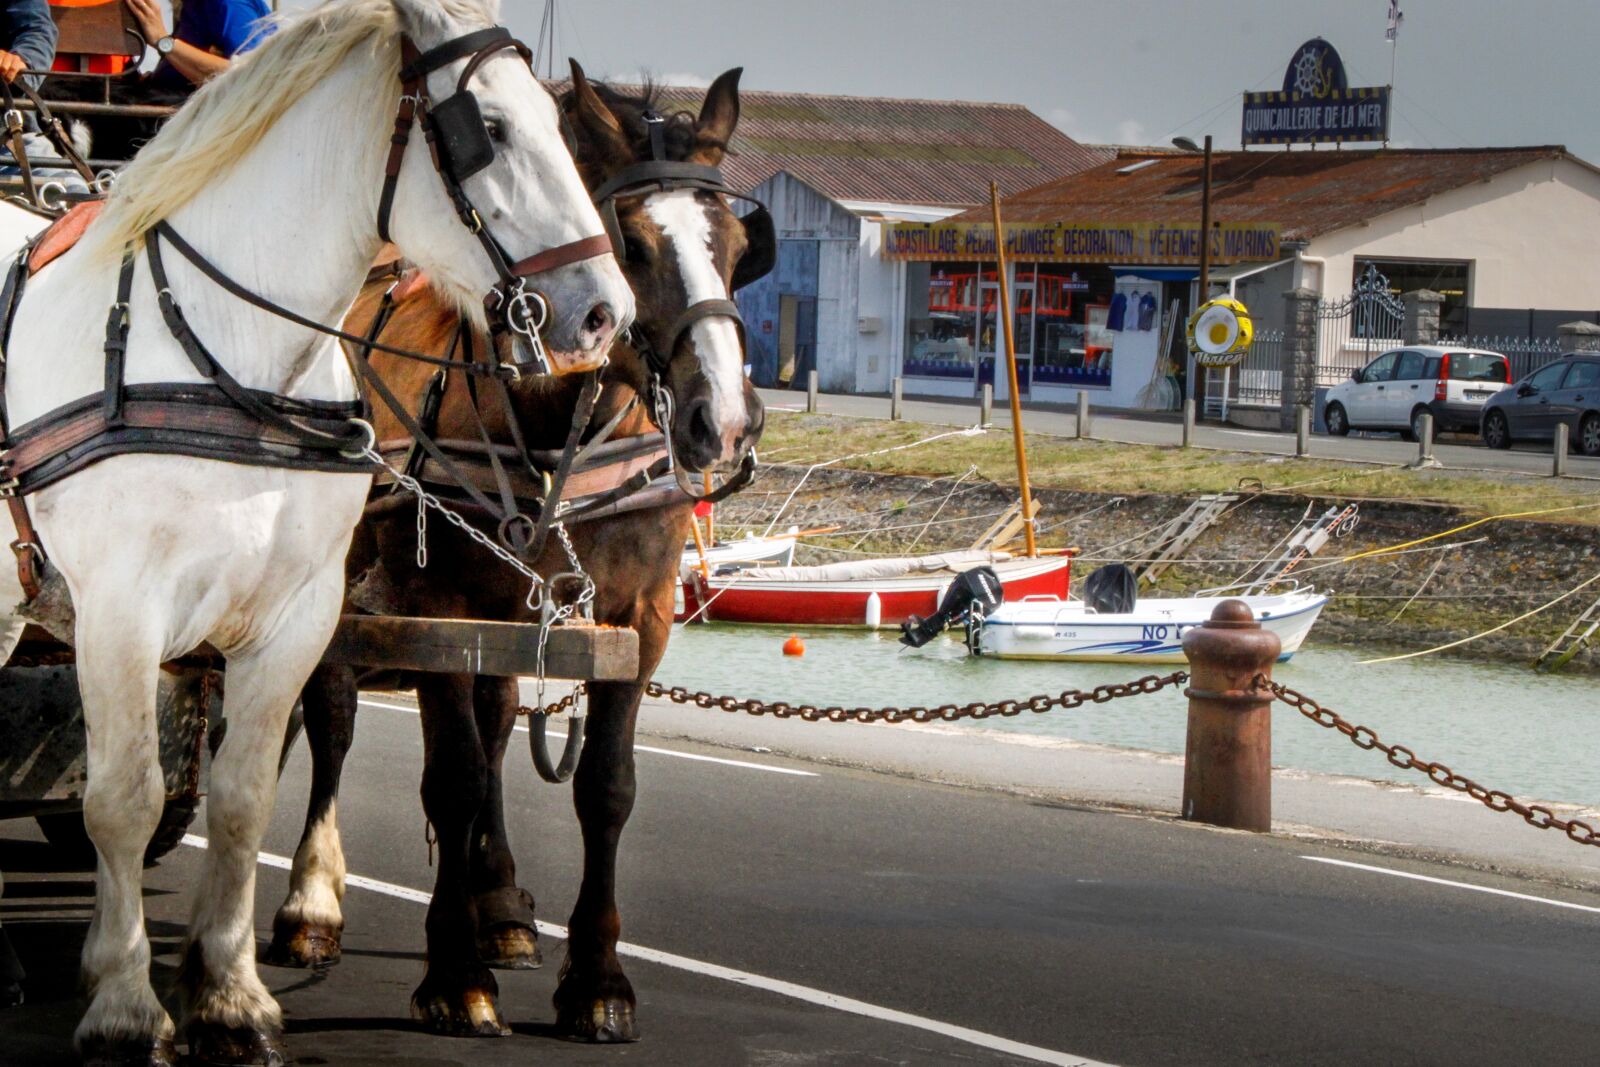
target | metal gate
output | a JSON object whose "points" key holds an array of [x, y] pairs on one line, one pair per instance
{"points": [[1353, 329]]}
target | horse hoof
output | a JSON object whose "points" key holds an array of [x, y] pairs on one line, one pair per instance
{"points": [[510, 947], [609, 1021], [11, 994], [471, 1013], [128, 1052], [215, 1045], [303, 944]]}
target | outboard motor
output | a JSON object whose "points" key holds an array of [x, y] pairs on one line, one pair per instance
{"points": [[975, 590], [1111, 590]]}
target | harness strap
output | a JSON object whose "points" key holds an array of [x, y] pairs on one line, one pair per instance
{"points": [[558, 481], [214, 372], [233, 288], [419, 65], [116, 346], [27, 547]]}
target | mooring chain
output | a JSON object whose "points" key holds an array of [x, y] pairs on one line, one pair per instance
{"points": [[1070, 698], [1400, 756]]}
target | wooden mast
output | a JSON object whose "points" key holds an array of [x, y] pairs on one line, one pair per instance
{"points": [[1011, 369]]}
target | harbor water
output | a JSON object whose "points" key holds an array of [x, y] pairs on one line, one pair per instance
{"points": [[1533, 735]]}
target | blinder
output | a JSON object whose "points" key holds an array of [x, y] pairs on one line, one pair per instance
{"points": [[464, 145], [760, 248]]}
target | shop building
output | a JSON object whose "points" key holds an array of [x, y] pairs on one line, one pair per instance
{"points": [[1487, 228], [833, 170]]}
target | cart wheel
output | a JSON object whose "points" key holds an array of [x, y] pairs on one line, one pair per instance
{"points": [[68, 836]]}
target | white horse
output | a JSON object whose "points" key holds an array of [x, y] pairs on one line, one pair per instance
{"points": [[273, 172]]}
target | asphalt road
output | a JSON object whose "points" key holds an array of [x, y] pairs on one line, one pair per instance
{"points": [[1049, 932], [1454, 451]]}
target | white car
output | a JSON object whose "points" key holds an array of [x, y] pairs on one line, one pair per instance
{"points": [[1395, 390]]}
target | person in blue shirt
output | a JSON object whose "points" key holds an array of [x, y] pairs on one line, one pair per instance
{"points": [[208, 35], [27, 37], [28, 41]]}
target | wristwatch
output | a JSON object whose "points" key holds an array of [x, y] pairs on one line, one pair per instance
{"points": [[164, 46]]}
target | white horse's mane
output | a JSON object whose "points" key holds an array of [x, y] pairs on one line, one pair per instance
{"points": [[230, 114]]}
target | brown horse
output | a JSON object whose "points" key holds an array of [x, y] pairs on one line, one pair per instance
{"points": [[682, 247]]}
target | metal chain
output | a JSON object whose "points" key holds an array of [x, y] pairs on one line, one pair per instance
{"points": [[1400, 756], [1070, 698], [427, 499]]}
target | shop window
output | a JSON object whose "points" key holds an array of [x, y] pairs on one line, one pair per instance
{"points": [[943, 320], [1072, 345]]}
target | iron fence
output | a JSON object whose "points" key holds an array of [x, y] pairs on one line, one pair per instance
{"points": [[1261, 372], [1354, 329]]}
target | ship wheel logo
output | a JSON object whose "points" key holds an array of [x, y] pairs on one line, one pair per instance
{"points": [[1310, 79]]}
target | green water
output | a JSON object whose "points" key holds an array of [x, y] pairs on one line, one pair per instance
{"points": [[1532, 735]]}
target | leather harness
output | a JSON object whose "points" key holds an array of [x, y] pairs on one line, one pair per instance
{"points": [[220, 418]]}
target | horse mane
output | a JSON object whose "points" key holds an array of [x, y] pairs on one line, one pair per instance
{"points": [[231, 113], [630, 106]]}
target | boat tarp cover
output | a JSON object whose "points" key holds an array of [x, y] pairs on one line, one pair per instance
{"points": [[1111, 590], [869, 569]]}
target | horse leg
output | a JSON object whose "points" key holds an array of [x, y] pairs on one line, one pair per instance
{"points": [[457, 995], [230, 1016], [306, 930], [594, 1000], [506, 934], [118, 668]]}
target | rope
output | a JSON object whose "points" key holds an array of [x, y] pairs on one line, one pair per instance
{"points": [[1466, 526], [970, 431], [1492, 630]]}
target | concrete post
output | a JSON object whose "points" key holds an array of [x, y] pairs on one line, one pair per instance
{"points": [[1579, 336], [894, 401], [1227, 769], [1558, 466], [1421, 323], [986, 405], [811, 392], [1299, 354], [1084, 427], [1302, 431], [1425, 444], [1188, 421]]}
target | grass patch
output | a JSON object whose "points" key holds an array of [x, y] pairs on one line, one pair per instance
{"points": [[1107, 467]]}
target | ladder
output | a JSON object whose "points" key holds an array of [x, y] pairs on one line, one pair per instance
{"points": [[1307, 540], [1569, 644], [1005, 529], [1168, 544]]}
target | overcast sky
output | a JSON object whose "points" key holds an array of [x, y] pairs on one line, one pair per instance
{"points": [[1468, 72]]}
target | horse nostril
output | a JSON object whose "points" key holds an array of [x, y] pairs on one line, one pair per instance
{"points": [[599, 319], [701, 428]]}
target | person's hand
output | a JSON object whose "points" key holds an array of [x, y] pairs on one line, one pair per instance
{"points": [[147, 13], [11, 65]]}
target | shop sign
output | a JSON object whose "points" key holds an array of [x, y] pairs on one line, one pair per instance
{"points": [[1316, 104], [1083, 242]]}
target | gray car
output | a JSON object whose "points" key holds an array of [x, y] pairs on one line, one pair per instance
{"points": [[1565, 391]]}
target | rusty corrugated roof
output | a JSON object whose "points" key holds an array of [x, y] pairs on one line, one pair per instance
{"points": [[1308, 193], [937, 152]]}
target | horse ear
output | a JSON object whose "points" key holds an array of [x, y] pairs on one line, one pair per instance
{"points": [[590, 114], [429, 21], [718, 117]]}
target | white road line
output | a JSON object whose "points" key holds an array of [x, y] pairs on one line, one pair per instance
{"points": [[1457, 885], [1248, 433], [639, 748], [818, 997]]}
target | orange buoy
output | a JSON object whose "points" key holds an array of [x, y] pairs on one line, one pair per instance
{"points": [[794, 646]]}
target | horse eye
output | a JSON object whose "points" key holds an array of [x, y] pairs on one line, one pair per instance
{"points": [[634, 250], [496, 130]]}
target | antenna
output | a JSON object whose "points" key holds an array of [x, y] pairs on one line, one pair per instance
{"points": [[546, 48]]}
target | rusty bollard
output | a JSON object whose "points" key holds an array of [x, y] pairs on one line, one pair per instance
{"points": [[1227, 769]]}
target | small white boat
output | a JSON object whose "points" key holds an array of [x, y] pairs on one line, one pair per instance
{"points": [[750, 551], [1050, 628]]}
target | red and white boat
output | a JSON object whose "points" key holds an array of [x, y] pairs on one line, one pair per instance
{"points": [[869, 593]]}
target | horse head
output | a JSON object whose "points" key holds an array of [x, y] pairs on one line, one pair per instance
{"points": [[532, 248], [681, 249]]}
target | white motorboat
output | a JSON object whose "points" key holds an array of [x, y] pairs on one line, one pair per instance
{"points": [[1050, 628]]}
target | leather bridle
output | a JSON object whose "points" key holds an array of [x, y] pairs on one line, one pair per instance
{"points": [[513, 308]]}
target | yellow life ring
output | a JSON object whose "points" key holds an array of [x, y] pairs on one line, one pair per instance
{"points": [[1219, 332]]}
